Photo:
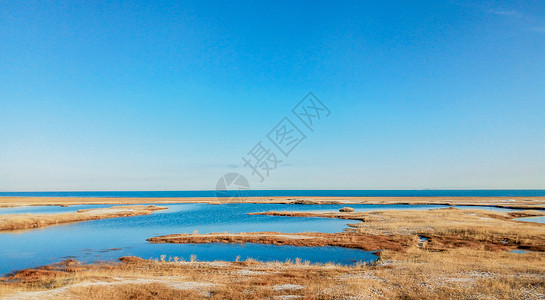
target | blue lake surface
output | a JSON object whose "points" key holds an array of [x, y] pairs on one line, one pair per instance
{"points": [[94, 240], [294, 193], [49, 209], [532, 219]]}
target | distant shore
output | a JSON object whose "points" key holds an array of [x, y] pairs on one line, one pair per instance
{"points": [[505, 202]]}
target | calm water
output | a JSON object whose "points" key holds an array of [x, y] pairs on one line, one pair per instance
{"points": [[47, 209], [90, 241], [93, 240], [296, 193], [532, 219]]}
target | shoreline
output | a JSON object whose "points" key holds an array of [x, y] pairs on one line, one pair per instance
{"points": [[16, 222], [500, 202]]}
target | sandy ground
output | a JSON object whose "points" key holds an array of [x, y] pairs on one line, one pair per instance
{"points": [[171, 281]]}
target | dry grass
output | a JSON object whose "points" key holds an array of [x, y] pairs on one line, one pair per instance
{"points": [[29, 221], [415, 274], [313, 239], [454, 227], [446, 228], [464, 273]]}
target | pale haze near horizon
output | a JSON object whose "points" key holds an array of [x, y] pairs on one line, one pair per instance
{"points": [[171, 96]]}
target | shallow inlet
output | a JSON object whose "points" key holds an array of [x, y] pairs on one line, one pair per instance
{"points": [[532, 219], [91, 240], [48, 209], [520, 251]]}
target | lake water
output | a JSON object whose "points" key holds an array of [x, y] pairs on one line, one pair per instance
{"points": [[94, 240], [49, 209], [532, 219], [292, 193]]}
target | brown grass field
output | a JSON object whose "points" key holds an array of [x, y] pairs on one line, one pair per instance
{"points": [[460, 273], [466, 256], [30, 221], [446, 228]]}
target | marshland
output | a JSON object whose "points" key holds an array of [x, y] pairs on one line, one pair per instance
{"points": [[265, 250]]}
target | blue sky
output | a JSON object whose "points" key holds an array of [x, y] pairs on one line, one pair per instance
{"points": [[171, 95]]}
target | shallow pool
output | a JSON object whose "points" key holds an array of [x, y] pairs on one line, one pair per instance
{"points": [[532, 219]]}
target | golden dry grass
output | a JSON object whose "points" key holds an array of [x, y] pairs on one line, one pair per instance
{"points": [[312, 239], [29, 221], [475, 227], [446, 228]]}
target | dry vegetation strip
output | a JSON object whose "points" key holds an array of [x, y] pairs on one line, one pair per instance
{"points": [[518, 202], [414, 274], [29, 221], [315, 239]]}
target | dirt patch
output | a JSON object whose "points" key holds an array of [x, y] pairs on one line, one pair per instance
{"points": [[288, 287], [202, 288], [251, 273]]}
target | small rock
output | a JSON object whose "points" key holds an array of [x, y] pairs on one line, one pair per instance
{"points": [[346, 209]]}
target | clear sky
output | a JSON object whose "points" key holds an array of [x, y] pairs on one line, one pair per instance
{"points": [[171, 95]]}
